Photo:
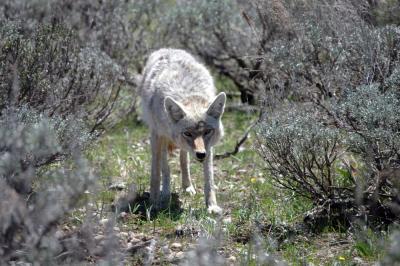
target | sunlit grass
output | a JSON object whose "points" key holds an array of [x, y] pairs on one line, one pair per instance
{"points": [[245, 191]]}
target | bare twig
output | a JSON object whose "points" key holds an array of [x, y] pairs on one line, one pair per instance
{"points": [[238, 144]]}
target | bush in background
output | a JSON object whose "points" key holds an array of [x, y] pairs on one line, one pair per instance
{"points": [[301, 153], [231, 37], [30, 218], [59, 90], [49, 71], [241, 40], [337, 143]]}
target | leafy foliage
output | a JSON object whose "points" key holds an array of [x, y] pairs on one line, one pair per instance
{"points": [[346, 72], [51, 73], [25, 144], [301, 153], [58, 91], [30, 218], [372, 119], [216, 32]]}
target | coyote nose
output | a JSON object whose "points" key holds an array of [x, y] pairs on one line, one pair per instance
{"points": [[200, 155]]}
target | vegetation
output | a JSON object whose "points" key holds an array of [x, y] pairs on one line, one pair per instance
{"points": [[316, 180]]}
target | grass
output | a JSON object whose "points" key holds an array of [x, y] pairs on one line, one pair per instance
{"points": [[249, 199]]}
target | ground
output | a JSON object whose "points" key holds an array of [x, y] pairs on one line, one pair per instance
{"points": [[257, 217]]}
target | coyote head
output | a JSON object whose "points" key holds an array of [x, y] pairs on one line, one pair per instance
{"points": [[196, 123]]}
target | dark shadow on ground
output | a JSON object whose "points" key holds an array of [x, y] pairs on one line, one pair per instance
{"points": [[139, 203]]}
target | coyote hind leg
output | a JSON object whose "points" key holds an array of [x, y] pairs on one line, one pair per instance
{"points": [[156, 146], [166, 176]]}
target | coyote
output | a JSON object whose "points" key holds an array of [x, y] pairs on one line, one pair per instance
{"points": [[182, 111]]}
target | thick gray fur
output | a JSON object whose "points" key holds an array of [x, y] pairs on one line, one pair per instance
{"points": [[181, 108]]}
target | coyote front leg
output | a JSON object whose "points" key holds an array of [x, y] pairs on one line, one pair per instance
{"points": [[185, 169], [156, 145], [166, 177], [209, 187]]}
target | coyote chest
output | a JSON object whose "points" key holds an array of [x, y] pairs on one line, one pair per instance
{"points": [[182, 110]]}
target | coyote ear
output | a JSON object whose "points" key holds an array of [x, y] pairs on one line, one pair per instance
{"points": [[174, 109], [216, 109]]}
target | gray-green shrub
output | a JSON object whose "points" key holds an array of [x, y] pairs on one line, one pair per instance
{"points": [[30, 217], [301, 153], [342, 76]]}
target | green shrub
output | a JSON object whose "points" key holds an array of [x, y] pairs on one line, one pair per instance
{"points": [[30, 219], [339, 144], [301, 153], [50, 72]]}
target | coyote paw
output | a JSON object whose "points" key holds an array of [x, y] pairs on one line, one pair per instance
{"points": [[190, 190], [214, 209]]}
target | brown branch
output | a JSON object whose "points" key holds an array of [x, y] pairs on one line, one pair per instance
{"points": [[238, 144]]}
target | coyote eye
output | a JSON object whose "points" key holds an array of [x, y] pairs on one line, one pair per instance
{"points": [[208, 131], [187, 134]]}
